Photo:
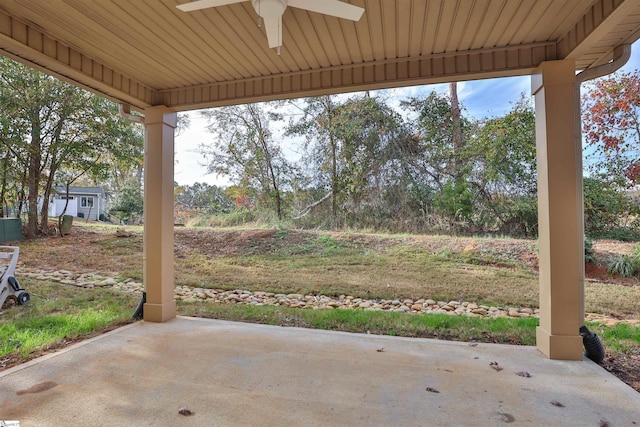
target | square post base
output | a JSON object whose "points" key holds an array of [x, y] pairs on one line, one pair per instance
{"points": [[159, 312], [563, 347]]}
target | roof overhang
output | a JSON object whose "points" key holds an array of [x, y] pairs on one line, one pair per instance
{"points": [[150, 53]]}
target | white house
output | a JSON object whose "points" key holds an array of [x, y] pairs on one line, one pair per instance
{"points": [[84, 202]]}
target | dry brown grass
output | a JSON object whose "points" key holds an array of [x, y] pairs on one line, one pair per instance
{"points": [[495, 271]]}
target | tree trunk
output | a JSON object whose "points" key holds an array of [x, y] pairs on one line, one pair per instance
{"points": [[140, 174], [277, 196], [21, 195], [334, 182], [33, 181], [3, 189], [54, 163], [334, 167], [272, 174], [44, 212], [457, 131]]}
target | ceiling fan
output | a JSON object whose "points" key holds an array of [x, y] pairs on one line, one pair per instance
{"points": [[271, 12]]}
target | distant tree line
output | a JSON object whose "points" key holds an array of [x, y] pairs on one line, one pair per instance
{"points": [[425, 166], [421, 165]]}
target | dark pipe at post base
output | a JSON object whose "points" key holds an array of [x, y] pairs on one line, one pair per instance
{"points": [[594, 349], [139, 313]]}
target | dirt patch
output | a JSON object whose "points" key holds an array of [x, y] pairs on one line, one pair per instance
{"points": [[596, 272], [626, 367], [599, 273]]}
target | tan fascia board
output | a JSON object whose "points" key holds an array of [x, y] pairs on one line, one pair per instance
{"points": [[600, 21], [439, 68]]}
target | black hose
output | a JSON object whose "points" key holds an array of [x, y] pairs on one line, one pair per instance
{"points": [[139, 313], [594, 349]]}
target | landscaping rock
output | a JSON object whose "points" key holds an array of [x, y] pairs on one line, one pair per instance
{"points": [[316, 302]]}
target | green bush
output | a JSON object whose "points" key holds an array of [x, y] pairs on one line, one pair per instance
{"points": [[589, 253], [606, 205], [624, 265], [238, 217], [455, 201], [128, 204], [520, 217]]}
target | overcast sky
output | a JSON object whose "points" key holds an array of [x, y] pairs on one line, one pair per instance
{"points": [[480, 98]]}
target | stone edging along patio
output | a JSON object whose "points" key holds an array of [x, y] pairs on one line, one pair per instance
{"points": [[259, 298]]}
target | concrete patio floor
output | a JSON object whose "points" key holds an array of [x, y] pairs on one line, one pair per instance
{"points": [[231, 373]]}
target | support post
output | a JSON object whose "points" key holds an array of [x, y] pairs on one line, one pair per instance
{"points": [[158, 258], [560, 212]]}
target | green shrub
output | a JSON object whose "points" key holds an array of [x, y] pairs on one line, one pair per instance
{"points": [[623, 265], [589, 253], [626, 265], [455, 201], [238, 217], [636, 251], [606, 205], [520, 215]]}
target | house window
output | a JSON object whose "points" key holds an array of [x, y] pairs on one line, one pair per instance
{"points": [[86, 202], [65, 197]]}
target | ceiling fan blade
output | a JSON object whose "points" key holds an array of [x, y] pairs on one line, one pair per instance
{"points": [[329, 7], [204, 4], [273, 27]]}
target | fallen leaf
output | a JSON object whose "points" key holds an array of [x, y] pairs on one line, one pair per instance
{"points": [[523, 374], [185, 411], [495, 366], [432, 390], [380, 350], [448, 370], [556, 403], [604, 423], [506, 418]]}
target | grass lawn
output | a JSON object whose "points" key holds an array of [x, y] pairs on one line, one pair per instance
{"points": [[58, 315]]}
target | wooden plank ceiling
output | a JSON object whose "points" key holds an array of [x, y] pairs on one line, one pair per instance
{"points": [[147, 52]]}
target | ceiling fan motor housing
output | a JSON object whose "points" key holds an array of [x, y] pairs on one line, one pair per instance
{"points": [[269, 8]]}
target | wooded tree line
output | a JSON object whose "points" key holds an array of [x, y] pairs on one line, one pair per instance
{"points": [[422, 166], [55, 134], [366, 165]]}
